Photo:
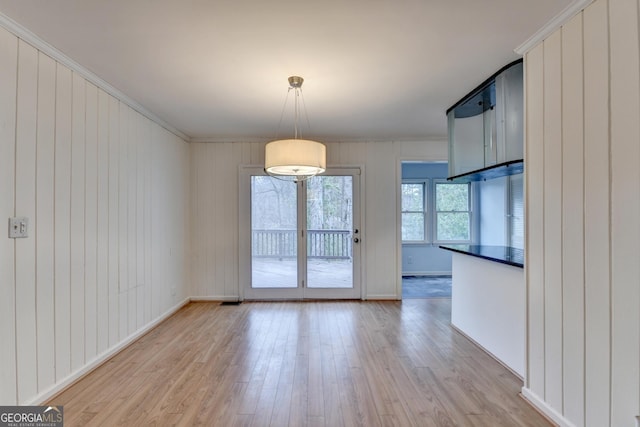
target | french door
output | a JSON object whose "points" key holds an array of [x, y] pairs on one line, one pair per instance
{"points": [[300, 240]]}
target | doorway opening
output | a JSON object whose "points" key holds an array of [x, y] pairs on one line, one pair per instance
{"points": [[433, 211]]}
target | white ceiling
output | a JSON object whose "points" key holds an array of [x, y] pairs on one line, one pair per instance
{"points": [[217, 69]]}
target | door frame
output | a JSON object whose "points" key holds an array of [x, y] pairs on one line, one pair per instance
{"points": [[244, 243]]}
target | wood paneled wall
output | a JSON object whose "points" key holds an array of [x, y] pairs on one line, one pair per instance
{"points": [[583, 218], [106, 192], [214, 186]]}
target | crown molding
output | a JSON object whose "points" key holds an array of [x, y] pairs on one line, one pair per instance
{"points": [[251, 139], [34, 40], [224, 139], [575, 7]]}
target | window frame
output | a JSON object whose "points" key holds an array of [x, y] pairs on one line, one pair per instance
{"points": [[426, 194], [434, 219]]}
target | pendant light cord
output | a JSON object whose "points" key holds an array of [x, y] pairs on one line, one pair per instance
{"points": [[296, 92], [284, 108], [304, 109], [297, 131]]}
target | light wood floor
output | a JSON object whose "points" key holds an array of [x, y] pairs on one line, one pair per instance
{"points": [[297, 364]]}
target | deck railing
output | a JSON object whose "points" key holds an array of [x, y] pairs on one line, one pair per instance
{"points": [[334, 244]]}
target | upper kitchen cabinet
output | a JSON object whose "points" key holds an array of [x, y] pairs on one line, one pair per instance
{"points": [[486, 128]]}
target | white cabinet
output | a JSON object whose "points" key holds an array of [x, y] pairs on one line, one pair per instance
{"points": [[486, 127]]}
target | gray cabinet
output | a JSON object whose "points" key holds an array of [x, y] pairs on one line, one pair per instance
{"points": [[486, 127]]}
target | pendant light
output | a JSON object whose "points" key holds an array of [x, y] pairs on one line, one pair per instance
{"points": [[295, 159]]}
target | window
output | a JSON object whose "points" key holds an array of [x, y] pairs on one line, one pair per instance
{"points": [[452, 212], [413, 211], [436, 211], [516, 212]]}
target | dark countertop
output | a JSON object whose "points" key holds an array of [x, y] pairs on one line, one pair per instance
{"points": [[501, 254]]}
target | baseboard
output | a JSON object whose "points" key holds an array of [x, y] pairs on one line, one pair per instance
{"points": [[215, 298], [426, 273], [383, 297], [546, 410], [68, 381]]}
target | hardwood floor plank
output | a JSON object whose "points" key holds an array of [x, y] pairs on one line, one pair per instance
{"points": [[331, 387], [348, 403], [282, 409], [302, 364], [298, 407]]}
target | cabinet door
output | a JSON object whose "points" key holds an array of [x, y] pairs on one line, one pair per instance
{"points": [[509, 114], [466, 143], [490, 137]]}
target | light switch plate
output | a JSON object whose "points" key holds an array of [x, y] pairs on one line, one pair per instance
{"points": [[18, 227]]}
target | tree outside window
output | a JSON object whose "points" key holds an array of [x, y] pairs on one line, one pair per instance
{"points": [[453, 215], [413, 212]]}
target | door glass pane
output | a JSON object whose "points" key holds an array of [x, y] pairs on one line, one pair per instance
{"points": [[274, 245], [330, 232]]}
